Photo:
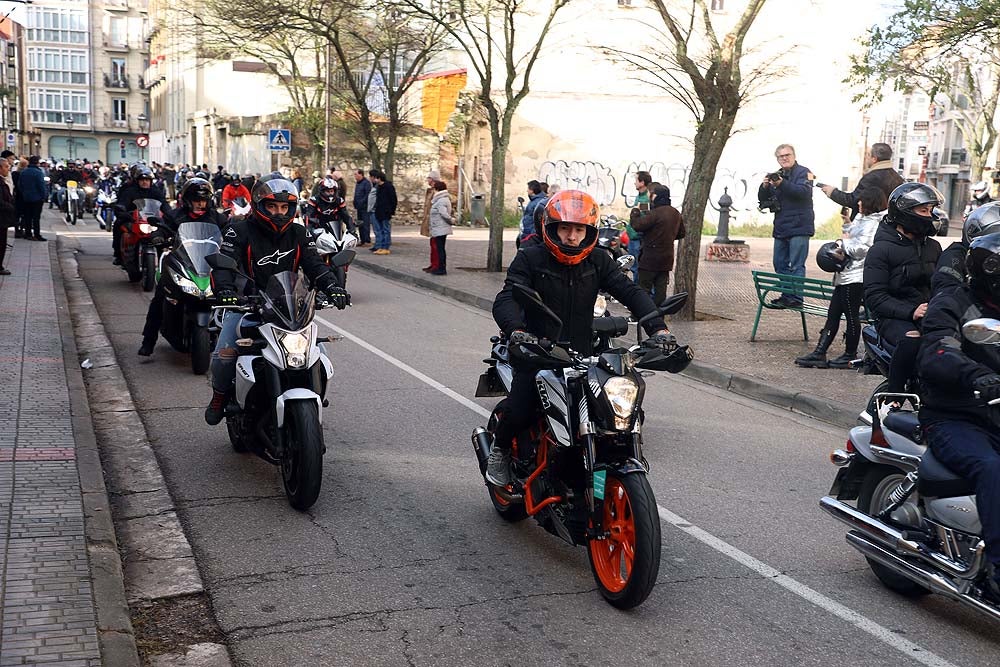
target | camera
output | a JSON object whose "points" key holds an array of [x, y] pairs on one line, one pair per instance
{"points": [[774, 176]]}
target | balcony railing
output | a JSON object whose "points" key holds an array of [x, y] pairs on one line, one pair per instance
{"points": [[117, 82]]}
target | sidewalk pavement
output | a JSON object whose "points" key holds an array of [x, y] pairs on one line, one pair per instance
{"points": [[55, 578], [726, 302]]}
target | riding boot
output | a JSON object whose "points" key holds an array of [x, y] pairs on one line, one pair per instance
{"points": [[817, 358], [844, 360]]}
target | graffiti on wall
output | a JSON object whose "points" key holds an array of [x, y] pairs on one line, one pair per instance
{"points": [[596, 179], [592, 177]]}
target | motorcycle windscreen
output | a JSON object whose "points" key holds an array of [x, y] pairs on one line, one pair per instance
{"points": [[290, 300], [149, 209], [195, 242]]}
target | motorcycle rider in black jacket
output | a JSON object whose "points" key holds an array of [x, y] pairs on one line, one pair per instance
{"points": [[327, 208], [140, 187], [962, 431], [898, 272], [193, 206], [568, 276], [951, 265], [265, 243]]}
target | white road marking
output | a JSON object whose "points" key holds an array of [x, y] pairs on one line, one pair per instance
{"points": [[883, 634]]}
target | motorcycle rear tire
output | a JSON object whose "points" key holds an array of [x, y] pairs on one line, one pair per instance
{"points": [[872, 483], [631, 518], [238, 435], [148, 273], [302, 466], [201, 350]]}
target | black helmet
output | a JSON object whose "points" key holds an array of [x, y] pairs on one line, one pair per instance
{"points": [[908, 197], [142, 171], [831, 257], [274, 190], [328, 190], [193, 190], [234, 179], [983, 220], [983, 264]]}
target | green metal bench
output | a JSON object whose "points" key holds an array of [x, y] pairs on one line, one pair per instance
{"points": [[773, 285]]}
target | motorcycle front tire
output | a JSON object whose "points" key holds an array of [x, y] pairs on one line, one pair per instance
{"points": [[238, 436], [633, 524], [201, 350], [148, 273], [302, 465]]}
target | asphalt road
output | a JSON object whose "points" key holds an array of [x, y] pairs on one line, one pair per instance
{"points": [[402, 561]]}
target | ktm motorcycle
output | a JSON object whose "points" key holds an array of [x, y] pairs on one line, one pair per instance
{"points": [[579, 470], [138, 253]]}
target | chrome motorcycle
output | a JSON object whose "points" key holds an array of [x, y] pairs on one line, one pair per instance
{"points": [[914, 520]]}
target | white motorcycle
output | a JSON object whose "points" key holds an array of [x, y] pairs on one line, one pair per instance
{"points": [[329, 244], [282, 374], [914, 520]]}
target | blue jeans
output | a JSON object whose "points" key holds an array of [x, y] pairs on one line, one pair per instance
{"points": [[974, 453], [224, 356], [790, 258], [383, 233], [634, 248]]}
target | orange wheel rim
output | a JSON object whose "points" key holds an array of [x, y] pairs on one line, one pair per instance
{"points": [[614, 556]]}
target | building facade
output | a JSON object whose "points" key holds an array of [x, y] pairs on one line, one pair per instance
{"points": [[83, 63]]}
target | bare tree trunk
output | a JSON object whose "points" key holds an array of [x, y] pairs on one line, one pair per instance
{"points": [[494, 256], [709, 142]]}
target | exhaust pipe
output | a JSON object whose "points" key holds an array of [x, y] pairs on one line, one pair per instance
{"points": [[892, 539], [482, 443]]}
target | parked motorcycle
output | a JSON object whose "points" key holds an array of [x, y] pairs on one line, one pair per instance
{"points": [[105, 208], [283, 370], [138, 254], [580, 470], [915, 521], [187, 308]]}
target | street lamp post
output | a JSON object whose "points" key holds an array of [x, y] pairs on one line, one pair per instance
{"points": [[69, 142]]}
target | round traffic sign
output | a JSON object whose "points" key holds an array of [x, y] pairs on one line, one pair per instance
{"points": [[142, 141]]}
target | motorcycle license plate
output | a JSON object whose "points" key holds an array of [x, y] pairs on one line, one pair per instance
{"points": [[73, 196]]}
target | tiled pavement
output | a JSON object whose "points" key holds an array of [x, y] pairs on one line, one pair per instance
{"points": [[46, 598]]}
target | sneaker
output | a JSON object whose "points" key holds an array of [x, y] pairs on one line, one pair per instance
{"points": [[146, 350], [216, 410], [498, 467]]}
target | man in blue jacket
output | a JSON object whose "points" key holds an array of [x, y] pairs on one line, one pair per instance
{"points": [[794, 219], [31, 187]]}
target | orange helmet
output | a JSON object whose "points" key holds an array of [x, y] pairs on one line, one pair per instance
{"points": [[576, 207]]}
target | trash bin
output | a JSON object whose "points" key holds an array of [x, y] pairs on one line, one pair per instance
{"points": [[477, 208]]}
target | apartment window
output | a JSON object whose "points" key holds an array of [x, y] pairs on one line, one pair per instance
{"points": [[117, 69], [118, 110], [53, 65], [718, 5], [624, 3], [57, 24], [116, 31], [49, 105]]}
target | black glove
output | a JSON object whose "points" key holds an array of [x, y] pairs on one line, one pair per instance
{"points": [[522, 338], [227, 297], [988, 387], [338, 297], [666, 341]]}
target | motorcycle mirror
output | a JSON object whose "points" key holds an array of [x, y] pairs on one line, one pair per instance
{"points": [[625, 262], [344, 257], [529, 299], [982, 331], [220, 261]]}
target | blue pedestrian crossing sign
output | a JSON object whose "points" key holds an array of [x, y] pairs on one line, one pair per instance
{"points": [[279, 140]]}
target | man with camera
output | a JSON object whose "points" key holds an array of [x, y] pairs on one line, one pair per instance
{"points": [[788, 194]]}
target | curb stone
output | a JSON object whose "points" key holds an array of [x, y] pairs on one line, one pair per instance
{"points": [[145, 513], [803, 403], [114, 624]]}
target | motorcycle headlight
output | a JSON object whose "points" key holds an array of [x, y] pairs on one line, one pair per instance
{"points": [[600, 305], [350, 241], [296, 346], [186, 284], [622, 393], [89, 190]]}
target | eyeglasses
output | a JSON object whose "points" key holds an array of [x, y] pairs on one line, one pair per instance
{"points": [[785, 155]]}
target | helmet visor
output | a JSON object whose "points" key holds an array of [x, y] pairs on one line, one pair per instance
{"points": [[920, 197]]}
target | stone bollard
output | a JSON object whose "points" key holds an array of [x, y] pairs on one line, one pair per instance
{"points": [[722, 248]]}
